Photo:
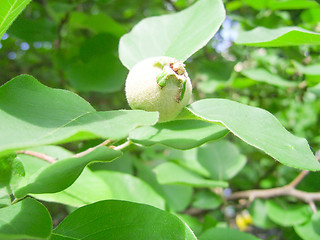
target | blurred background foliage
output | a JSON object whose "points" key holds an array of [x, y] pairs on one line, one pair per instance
{"points": [[74, 45]]}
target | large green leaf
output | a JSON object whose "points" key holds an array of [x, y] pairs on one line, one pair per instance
{"points": [[171, 173], [9, 10], [315, 89], [313, 69], [311, 229], [286, 215], [180, 134], [280, 37], [122, 221], [34, 30], [259, 213], [87, 189], [91, 187], [97, 68], [222, 159], [214, 74], [258, 128], [219, 160], [206, 200], [226, 233], [311, 16], [176, 35], [177, 197], [27, 219], [193, 222], [32, 114], [189, 159], [262, 75], [60, 175], [97, 23], [127, 187]]}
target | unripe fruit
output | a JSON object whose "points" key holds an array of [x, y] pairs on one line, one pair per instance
{"points": [[159, 84]]}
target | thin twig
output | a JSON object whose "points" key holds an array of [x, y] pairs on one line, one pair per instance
{"points": [[122, 146], [89, 150], [287, 190], [276, 192], [106, 142], [299, 178], [313, 206], [38, 155], [81, 154]]}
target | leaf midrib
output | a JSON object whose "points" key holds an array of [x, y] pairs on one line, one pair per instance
{"points": [[8, 14]]}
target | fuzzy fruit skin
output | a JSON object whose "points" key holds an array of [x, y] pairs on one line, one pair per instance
{"points": [[144, 93]]}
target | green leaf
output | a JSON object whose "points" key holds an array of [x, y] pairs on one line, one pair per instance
{"points": [[292, 4], [91, 187], [222, 159], [98, 67], [313, 69], [122, 164], [177, 197], [315, 89], [263, 75], [27, 219], [311, 229], [311, 16], [260, 129], [60, 175], [11, 171], [281, 4], [106, 220], [280, 37], [34, 30], [189, 159], [219, 160], [5, 199], [9, 11], [88, 188], [287, 215], [206, 200], [193, 222], [32, 165], [171, 173], [96, 23], [258, 5], [32, 114], [176, 35], [214, 74], [259, 213], [180, 134], [130, 188], [226, 233], [10, 167]]}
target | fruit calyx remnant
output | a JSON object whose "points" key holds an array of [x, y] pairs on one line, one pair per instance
{"points": [[174, 70]]}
